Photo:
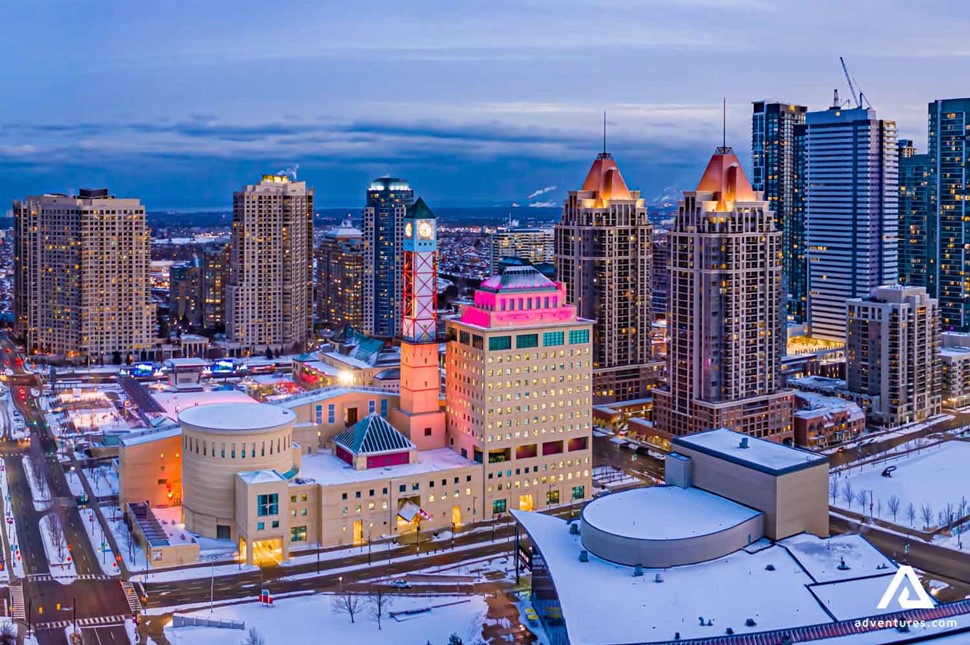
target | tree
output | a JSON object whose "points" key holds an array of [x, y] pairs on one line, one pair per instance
{"points": [[962, 508], [347, 603], [834, 489], [926, 514], [8, 634], [949, 514], [254, 637], [878, 507], [893, 505], [380, 602], [56, 532], [861, 498], [911, 513], [848, 493], [455, 639]]}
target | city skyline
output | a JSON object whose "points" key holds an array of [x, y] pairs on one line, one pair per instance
{"points": [[454, 104]]}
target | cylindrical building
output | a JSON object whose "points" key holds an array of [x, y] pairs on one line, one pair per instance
{"points": [[220, 441]]}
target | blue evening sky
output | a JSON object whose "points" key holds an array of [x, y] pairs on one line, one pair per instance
{"points": [[181, 102]]}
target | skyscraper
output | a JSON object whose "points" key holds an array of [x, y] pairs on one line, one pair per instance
{"points": [[270, 292], [388, 200], [518, 391], [81, 285], [340, 278], [775, 172], [892, 347], [603, 256], [215, 278], [852, 212], [185, 294], [949, 159], [661, 272], [724, 322], [916, 239], [532, 244]]}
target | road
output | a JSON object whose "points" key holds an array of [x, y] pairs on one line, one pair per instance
{"points": [[93, 598], [848, 455]]}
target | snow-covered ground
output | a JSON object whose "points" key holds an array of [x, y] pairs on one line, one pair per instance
{"points": [[933, 478], [10, 526], [39, 490], [103, 480], [305, 619], [193, 573], [74, 482], [886, 435], [611, 477], [822, 558], [100, 544], [132, 554], [60, 561]]}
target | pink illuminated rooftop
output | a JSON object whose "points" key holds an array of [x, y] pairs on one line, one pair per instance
{"points": [[726, 179], [519, 297]]}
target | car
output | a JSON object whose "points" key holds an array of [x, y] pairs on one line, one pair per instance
{"points": [[401, 583]]}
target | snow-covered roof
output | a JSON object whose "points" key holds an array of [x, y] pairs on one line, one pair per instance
{"points": [[236, 417], [665, 513], [147, 436], [324, 468], [175, 401], [760, 454], [261, 476], [329, 393], [187, 362]]}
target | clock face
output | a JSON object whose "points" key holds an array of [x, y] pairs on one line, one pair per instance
{"points": [[408, 229], [425, 230]]}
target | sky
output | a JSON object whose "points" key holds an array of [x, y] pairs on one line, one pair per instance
{"points": [[474, 102]]}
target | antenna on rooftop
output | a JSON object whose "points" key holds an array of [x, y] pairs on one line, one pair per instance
{"points": [[724, 122], [604, 132]]}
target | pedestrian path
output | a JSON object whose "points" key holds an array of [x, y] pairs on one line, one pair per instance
{"points": [[134, 602], [96, 621], [46, 577], [17, 602]]}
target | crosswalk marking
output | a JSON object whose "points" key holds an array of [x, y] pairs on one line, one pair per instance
{"points": [[17, 602], [46, 577], [134, 602], [95, 621]]}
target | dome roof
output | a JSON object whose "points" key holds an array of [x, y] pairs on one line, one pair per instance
{"points": [[518, 278]]}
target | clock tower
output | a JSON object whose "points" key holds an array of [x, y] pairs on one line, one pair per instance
{"points": [[420, 378]]}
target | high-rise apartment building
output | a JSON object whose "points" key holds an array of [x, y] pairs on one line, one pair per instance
{"points": [[185, 294], [949, 194], [603, 256], [852, 212], [532, 244], [340, 278], [775, 173], [724, 320], [388, 200], [215, 278], [892, 347], [270, 292], [81, 283], [518, 391], [661, 272], [916, 239]]}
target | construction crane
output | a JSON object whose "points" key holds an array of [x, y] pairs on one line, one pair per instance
{"points": [[857, 94]]}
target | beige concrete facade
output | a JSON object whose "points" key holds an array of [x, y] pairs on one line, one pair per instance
{"points": [[150, 468]]}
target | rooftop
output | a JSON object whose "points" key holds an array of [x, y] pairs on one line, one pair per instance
{"points": [[261, 476], [233, 417], [373, 435], [172, 402], [766, 456], [518, 277], [725, 178], [605, 181], [324, 468], [665, 513]]}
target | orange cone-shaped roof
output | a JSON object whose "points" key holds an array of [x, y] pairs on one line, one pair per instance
{"points": [[604, 179], [726, 179]]}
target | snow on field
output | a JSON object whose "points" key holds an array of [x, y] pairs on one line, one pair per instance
{"points": [[132, 554], [855, 598], [97, 538], [10, 526], [611, 476], [74, 482], [822, 558], [60, 560], [103, 480], [934, 477], [39, 490], [304, 619]]}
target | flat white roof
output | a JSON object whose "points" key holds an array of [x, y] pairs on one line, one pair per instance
{"points": [[760, 454], [187, 362], [260, 476], [230, 417], [665, 513], [175, 401], [146, 436], [324, 468]]}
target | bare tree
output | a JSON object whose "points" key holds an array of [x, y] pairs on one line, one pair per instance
{"points": [[348, 603], [893, 504], [833, 489], [962, 508], [861, 498], [878, 507], [911, 513], [949, 514], [380, 602], [926, 514], [8, 634], [254, 637], [55, 529], [848, 493]]}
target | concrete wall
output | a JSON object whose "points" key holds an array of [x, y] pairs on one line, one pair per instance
{"points": [[668, 553], [247, 518], [802, 502], [147, 470]]}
